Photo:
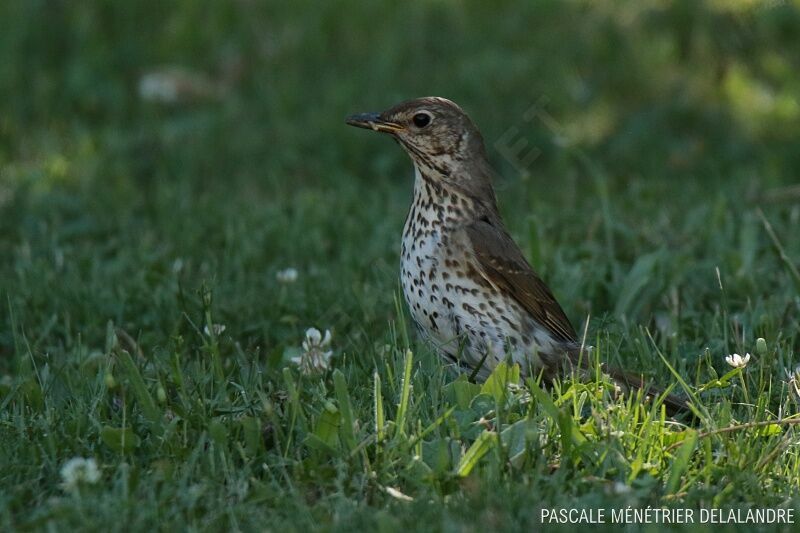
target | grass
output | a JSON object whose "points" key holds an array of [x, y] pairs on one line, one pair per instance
{"points": [[661, 204]]}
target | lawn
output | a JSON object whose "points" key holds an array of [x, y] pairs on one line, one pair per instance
{"points": [[163, 164]]}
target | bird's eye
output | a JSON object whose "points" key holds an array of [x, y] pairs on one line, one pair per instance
{"points": [[421, 120]]}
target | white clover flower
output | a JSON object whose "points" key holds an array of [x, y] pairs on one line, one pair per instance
{"points": [[157, 88], [218, 329], [314, 359], [737, 361], [77, 471], [287, 275], [175, 84], [315, 338]]}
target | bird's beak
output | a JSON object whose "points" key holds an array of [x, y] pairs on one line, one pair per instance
{"points": [[373, 121]]}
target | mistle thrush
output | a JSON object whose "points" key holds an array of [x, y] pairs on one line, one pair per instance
{"points": [[467, 284]]}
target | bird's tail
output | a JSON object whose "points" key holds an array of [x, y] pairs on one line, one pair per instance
{"points": [[675, 405], [627, 381]]}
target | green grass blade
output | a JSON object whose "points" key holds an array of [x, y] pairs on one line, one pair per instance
{"points": [[405, 393], [346, 409], [143, 396], [380, 422], [681, 462], [482, 445]]}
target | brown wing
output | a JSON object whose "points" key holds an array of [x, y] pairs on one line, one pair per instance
{"points": [[505, 267]]}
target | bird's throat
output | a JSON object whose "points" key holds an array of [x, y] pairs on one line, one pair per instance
{"points": [[437, 205]]}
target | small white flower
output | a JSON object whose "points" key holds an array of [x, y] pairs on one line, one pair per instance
{"points": [[287, 275], [315, 338], [175, 84], [617, 433], [737, 361], [620, 488], [314, 359], [218, 329], [794, 379], [157, 88], [719, 454], [79, 470]]}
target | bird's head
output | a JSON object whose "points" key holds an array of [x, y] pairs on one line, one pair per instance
{"points": [[438, 136]]}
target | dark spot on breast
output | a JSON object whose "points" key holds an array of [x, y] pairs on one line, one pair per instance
{"points": [[471, 310]]}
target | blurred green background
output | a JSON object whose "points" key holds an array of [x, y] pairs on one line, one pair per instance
{"points": [[135, 135], [150, 149]]}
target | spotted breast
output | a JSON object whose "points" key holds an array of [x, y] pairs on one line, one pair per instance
{"points": [[451, 300]]}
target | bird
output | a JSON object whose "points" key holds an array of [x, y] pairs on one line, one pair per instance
{"points": [[468, 286]]}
